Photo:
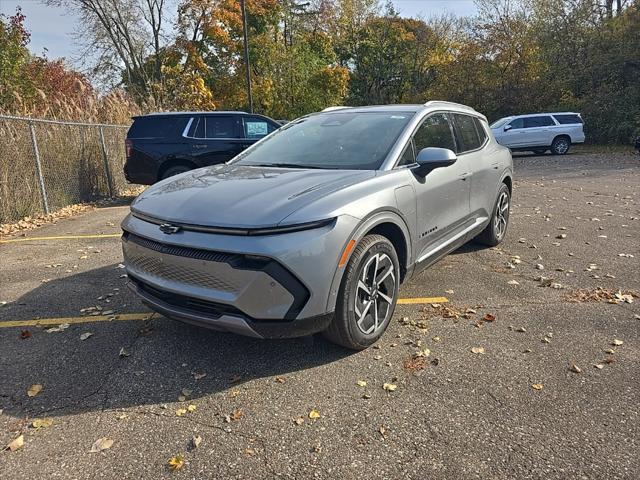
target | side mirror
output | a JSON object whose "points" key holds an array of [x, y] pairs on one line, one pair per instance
{"points": [[432, 157], [507, 128]]}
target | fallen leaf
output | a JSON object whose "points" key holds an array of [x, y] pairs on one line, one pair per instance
{"points": [[298, 421], [42, 423], [280, 380], [191, 408], [539, 266], [599, 366], [101, 444], [34, 390], [383, 431], [477, 350], [85, 335], [537, 386], [24, 334], [521, 330], [176, 462], [513, 282], [361, 383], [489, 317], [235, 379], [199, 375], [389, 387], [237, 415], [196, 440], [450, 292], [181, 412], [186, 392], [575, 369], [617, 342], [123, 353], [15, 444], [314, 414], [60, 328]]}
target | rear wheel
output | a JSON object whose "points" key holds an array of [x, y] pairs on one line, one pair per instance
{"points": [[367, 295], [560, 145], [497, 228], [175, 170]]}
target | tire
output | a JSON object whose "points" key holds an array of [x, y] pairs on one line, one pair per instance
{"points": [[495, 232], [354, 325], [561, 145], [175, 170], [540, 151]]}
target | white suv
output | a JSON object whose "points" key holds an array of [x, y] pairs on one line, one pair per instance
{"points": [[540, 132]]}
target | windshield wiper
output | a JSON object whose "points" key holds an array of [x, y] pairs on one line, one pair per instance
{"points": [[287, 165]]}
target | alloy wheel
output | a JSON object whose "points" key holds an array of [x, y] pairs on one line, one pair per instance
{"points": [[375, 293], [502, 215], [562, 146]]}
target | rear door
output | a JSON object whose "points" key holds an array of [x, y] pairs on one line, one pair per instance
{"points": [[215, 139], [539, 130]]}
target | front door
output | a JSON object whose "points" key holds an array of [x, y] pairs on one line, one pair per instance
{"points": [[442, 196]]}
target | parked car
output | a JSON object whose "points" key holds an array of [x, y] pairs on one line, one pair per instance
{"points": [[315, 227], [161, 145], [540, 132]]}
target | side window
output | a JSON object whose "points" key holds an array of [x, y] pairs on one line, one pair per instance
{"points": [[256, 127], [517, 123], [408, 157], [534, 122], [467, 131], [482, 133], [219, 126], [568, 119], [197, 128], [435, 131]]}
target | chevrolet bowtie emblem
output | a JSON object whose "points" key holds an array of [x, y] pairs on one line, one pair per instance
{"points": [[169, 229]]}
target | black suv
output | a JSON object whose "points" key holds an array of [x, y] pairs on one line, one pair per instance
{"points": [[161, 145]]}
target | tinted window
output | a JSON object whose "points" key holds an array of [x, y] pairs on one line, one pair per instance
{"points": [[256, 127], [533, 122], [149, 127], [434, 132], [220, 127], [568, 119], [335, 140], [517, 123], [197, 128], [482, 133], [468, 133], [408, 157]]}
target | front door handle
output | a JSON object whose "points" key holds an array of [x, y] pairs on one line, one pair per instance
{"points": [[464, 175]]}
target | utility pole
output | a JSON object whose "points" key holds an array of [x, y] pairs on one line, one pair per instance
{"points": [[247, 67]]}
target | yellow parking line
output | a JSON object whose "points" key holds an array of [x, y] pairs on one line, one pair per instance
{"points": [[145, 316], [89, 319], [414, 301], [62, 237]]}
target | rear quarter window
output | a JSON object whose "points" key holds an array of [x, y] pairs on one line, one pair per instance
{"points": [[568, 119], [155, 127], [468, 133]]}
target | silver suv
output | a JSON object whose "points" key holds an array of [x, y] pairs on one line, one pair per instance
{"points": [[540, 132], [314, 227]]}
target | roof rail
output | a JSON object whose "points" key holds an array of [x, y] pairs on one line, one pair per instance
{"points": [[338, 107], [442, 103]]}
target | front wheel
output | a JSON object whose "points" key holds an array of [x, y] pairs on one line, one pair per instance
{"points": [[494, 233], [368, 294]]}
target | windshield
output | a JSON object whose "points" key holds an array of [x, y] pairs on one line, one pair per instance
{"points": [[499, 123], [340, 140]]}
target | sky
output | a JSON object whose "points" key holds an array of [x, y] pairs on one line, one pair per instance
{"points": [[52, 27]]}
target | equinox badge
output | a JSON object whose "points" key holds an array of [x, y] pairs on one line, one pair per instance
{"points": [[168, 228]]}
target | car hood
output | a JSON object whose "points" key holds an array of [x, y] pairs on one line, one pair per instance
{"points": [[241, 196]]}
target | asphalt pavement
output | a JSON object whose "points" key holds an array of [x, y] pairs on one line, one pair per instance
{"points": [[530, 370]]}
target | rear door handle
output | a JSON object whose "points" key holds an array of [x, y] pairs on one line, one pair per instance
{"points": [[464, 175], [200, 146]]}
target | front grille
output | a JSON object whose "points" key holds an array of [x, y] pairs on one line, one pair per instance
{"points": [[194, 253], [153, 266]]}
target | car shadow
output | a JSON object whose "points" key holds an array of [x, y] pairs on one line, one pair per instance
{"points": [[128, 363]]}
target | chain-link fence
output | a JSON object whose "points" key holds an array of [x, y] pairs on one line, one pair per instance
{"points": [[46, 165]]}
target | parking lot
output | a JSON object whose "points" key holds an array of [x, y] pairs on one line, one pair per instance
{"points": [[530, 369]]}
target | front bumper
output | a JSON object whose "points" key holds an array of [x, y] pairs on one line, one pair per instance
{"points": [[271, 286]]}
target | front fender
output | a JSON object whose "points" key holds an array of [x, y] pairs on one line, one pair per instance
{"points": [[365, 226]]}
